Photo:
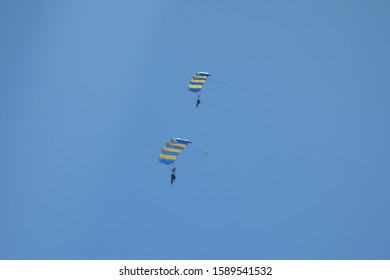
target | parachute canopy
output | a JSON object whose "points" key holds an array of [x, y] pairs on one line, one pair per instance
{"points": [[172, 149], [198, 81]]}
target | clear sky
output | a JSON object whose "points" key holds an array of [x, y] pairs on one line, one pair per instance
{"points": [[298, 140]]}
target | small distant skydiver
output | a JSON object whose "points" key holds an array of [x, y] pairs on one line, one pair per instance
{"points": [[173, 178], [198, 101], [173, 175]]}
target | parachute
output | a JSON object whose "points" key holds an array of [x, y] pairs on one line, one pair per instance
{"points": [[197, 81], [172, 149]]}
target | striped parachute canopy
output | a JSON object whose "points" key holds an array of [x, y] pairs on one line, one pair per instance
{"points": [[198, 81], [172, 149]]}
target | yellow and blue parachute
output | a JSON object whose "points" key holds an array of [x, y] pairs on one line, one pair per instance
{"points": [[172, 149], [197, 81]]}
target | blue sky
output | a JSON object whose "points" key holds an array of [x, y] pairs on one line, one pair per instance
{"points": [[298, 141]]}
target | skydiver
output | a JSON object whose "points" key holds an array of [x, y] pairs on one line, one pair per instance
{"points": [[173, 178], [198, 101]]}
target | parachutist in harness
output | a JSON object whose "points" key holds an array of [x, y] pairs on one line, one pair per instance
{"points": [[173, 178], [198, 101], [173, 175]]}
